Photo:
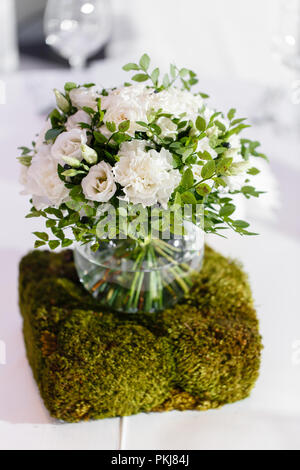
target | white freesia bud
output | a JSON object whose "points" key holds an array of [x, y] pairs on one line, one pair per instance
{"points": [[71, 161], [239, 168], [89, 154], [61, 101]]}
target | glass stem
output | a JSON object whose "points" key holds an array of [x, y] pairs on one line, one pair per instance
{"points": [[77, 62]]}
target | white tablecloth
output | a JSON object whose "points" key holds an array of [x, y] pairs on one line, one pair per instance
{"points": [[270, 418]]}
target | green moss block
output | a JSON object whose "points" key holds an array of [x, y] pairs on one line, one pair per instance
{"points": [[92, 364]]}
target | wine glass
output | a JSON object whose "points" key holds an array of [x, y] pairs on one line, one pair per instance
{"points": [[76, 29], [286, 40], [276, 103]]}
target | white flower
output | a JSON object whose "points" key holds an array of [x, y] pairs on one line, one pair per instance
{"points": [[204, 146], [42, 182], [68, 144], [84, 97], [127, 103], [175, 101], [235, 148], [235, 183], [99, 184], [237, 175], [147, 178], [74, 120], [168, 128]]}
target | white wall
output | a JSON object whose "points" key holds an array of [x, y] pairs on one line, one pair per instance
{"points": [[229, 38]]}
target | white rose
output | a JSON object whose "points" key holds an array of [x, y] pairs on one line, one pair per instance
{"points": [[84, 97], [147, 178], [99, 184], [74, 120], [68, 144], [42, 182]]}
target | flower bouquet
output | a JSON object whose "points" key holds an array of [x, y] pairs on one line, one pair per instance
{"points": [[135, 175]]}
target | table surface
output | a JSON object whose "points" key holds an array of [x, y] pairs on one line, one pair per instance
{"points": [[270, 418]]}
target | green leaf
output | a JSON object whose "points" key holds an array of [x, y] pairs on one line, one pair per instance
{"points": [[250, 191], [73, 205], [26, 161], [204, 155], [208, 170], [183, 72], [224, 165], [166, 81], [200, 124], [220, 126], [155, 76], [100, 137], [70, 86], [253, 171], [131, 66], [52, 134], [145, 62], [203, 189], [124, 126], [89, 111], [39, 243], [111, 126], [140, 77], [188, 198], [53, 244], [231, 114], [240, 224], [187, 179], [227, 210], [42, 235], [25, 150], [66, 242], [50, 223]]}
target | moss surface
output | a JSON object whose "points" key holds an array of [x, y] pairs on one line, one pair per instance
{"points": [[92, 364]]}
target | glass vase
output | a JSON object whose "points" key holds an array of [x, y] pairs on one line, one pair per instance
{"points": [[135, 276]]}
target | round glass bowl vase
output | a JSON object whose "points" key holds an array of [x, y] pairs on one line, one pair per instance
{"points": [[141, 276]]}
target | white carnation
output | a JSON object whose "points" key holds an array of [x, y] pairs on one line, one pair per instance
{"points": [[74, 120], [68, 144], [175, 101], [147, 178], [127, 103], [99, 184], [42, 182], [84, 97]]}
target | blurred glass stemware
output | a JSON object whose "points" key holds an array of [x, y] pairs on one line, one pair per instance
{"points": [[277, 103], [77, 29]]}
